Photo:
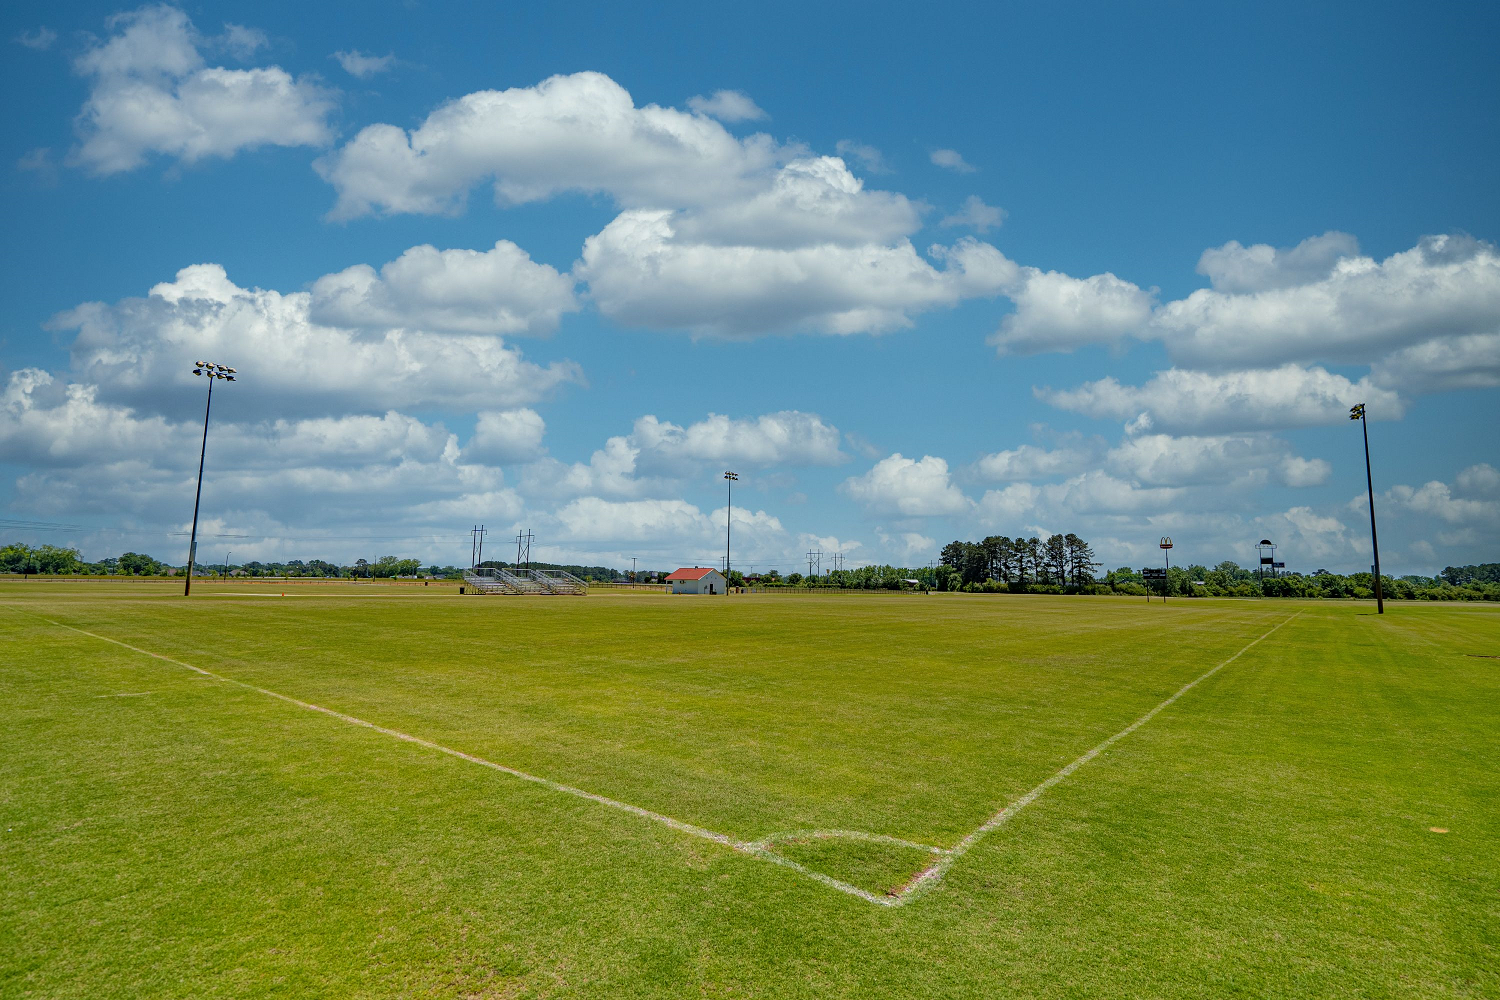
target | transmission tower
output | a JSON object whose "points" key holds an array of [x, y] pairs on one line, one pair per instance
{"points": [[476, 545], [523, 548], [814, 558]]}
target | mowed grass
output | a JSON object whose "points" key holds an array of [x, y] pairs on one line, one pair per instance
{"points": [[1269, 834]]}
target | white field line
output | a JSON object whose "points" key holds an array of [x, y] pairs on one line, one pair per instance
{"points": [[759, 850], [251, 593], [929, 876], [756, 848]]}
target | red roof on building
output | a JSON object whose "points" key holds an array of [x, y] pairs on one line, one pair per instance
{"points": [[690, 573]]}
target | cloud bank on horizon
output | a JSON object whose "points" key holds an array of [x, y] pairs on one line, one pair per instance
{"points": [[405, 390]]}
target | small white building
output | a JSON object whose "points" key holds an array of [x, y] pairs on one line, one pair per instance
{"points": [[696, 580]]}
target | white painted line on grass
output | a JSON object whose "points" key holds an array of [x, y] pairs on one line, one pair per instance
{"points": [[744, 847], [938, 868], [251, 593], [755, 848]]}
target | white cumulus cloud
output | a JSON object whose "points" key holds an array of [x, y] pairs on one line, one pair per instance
{"points": [[150, 92], [568, 133], [1028, 461], [501, 290], [1213, 460], [1236, 269], [136, 351], [1479, 480], [912, 487], [1194, 402], [506, 436], [657, 454], [1056, 312], [1443, 288], [641, 274]]}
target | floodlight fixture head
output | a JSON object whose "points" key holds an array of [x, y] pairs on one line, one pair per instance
{"points": [[1356, 411], [213, 370], [731, 475]]}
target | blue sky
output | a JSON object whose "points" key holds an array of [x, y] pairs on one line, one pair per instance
{"points": [[1016, 270]]}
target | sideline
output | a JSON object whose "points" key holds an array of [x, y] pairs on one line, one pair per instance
{"points": [[761, 848]]}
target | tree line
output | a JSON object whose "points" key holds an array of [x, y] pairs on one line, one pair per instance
{"points": [[1062, 564], [54, 560], [1064, 561]]}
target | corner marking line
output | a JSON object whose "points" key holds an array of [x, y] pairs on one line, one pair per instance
{"points": [[922, 881], [930, 875], [758, 849]]}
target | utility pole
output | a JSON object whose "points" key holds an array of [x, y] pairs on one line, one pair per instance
{"points": [[523, 548], [476, 548], [1357, 412]]}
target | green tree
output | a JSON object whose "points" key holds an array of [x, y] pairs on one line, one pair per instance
{"points": [[135, 564], [53, 559], [16, 558], [1054, 560], [1081, 562]]}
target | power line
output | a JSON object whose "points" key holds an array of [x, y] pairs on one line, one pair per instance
{"points": [[19, 524], [8, 522]]}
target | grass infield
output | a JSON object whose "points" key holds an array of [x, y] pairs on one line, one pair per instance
{"points": [[1271, 833]]}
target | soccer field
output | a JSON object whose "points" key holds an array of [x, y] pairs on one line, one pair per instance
{"points": [[365, 791]]}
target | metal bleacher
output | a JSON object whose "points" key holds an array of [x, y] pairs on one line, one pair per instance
{"points": [[495, 580]]}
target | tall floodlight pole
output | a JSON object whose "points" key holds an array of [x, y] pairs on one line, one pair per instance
{"points": [[730, 478], [1166, 553], [212, 371], [1357, 412]]}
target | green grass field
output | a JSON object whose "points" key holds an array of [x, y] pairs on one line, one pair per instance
{"points": [[1270, 833]]}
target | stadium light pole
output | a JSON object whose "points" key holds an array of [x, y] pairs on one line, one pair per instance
{"points": [[212, 371], [1166, 553], [730, 478], [1357, 412]]}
